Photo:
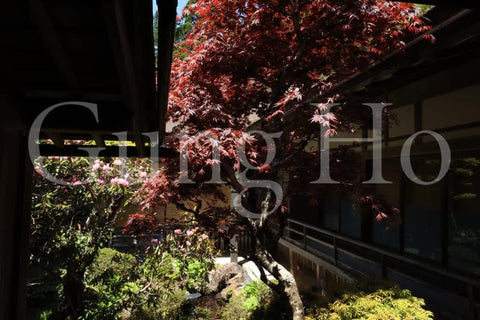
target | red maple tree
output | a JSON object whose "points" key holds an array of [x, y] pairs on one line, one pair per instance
{"points": [[264, 57]]}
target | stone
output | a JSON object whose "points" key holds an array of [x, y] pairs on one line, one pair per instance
{"points": [[234, 287], [219, 278], [125, 314]]}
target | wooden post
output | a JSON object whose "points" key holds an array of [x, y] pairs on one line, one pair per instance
{"points": [[288, 229], [384, 267], [471, 303], [290, 260], [15, 198], [335, 251], [234, 249], [304, 237]]}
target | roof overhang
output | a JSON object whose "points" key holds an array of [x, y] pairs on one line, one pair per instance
{"points": [[447, 3], [100, 52]]}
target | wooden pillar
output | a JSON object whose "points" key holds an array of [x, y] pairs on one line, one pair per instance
{"points": [[234, 249], [15, 197], [22, 228], [290, 261]]}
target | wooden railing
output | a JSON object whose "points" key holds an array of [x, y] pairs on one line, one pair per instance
{"points": [[242, 245], [329, 245], [130, 243]]}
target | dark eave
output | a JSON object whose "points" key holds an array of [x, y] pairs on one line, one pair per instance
{"points": [[97, 51], [109, 151], [166, 30], [457, 46], [448, 3], [457, 43]]}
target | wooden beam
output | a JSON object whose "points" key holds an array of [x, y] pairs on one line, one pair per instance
{"points": [[167, 11], [110, 151], [121, 46], [65, 95], [53, 45], [57, 139], [126, 55], [447, 3], [80, 134], [99, 140], [144, 59]]}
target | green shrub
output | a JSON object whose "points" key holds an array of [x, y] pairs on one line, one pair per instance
{"points": [[166, 305], [234, 310], [109, 262], [161, 266], [251, 303], [385, 302], [197, 275], [69, 224], [44, 315], [124, 290], [162, 294], [255, 294]]}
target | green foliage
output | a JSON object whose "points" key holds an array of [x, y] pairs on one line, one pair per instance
{"points": [[73, 275], [71, 222], [186, 24], [109, 279], [252, 302], [189, 246], [44, 315], [255, 294], [197, 275], [194, 254], [384, 302], [465, 170], [124, 289], [162, 281], [183, 29], [110, 262], [162, 265], [155, 289], [423, 9], [234, 310]]}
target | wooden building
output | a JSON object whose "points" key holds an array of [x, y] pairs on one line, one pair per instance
{"points": [[101, 52], [435, 250]]}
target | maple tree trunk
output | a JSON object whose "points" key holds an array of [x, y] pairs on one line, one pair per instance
{"points": [[286, 280]]}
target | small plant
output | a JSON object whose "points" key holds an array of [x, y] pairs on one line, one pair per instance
{"points": [[256, 294], [109, 280], [122, 289], [197, 275], [384, 302], [109, 262], [234, 310], [70, 222], [251, 303], [44, 315]]}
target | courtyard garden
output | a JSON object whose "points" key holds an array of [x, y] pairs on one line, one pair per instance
{"points": [[235, 63], [76, 274]]}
